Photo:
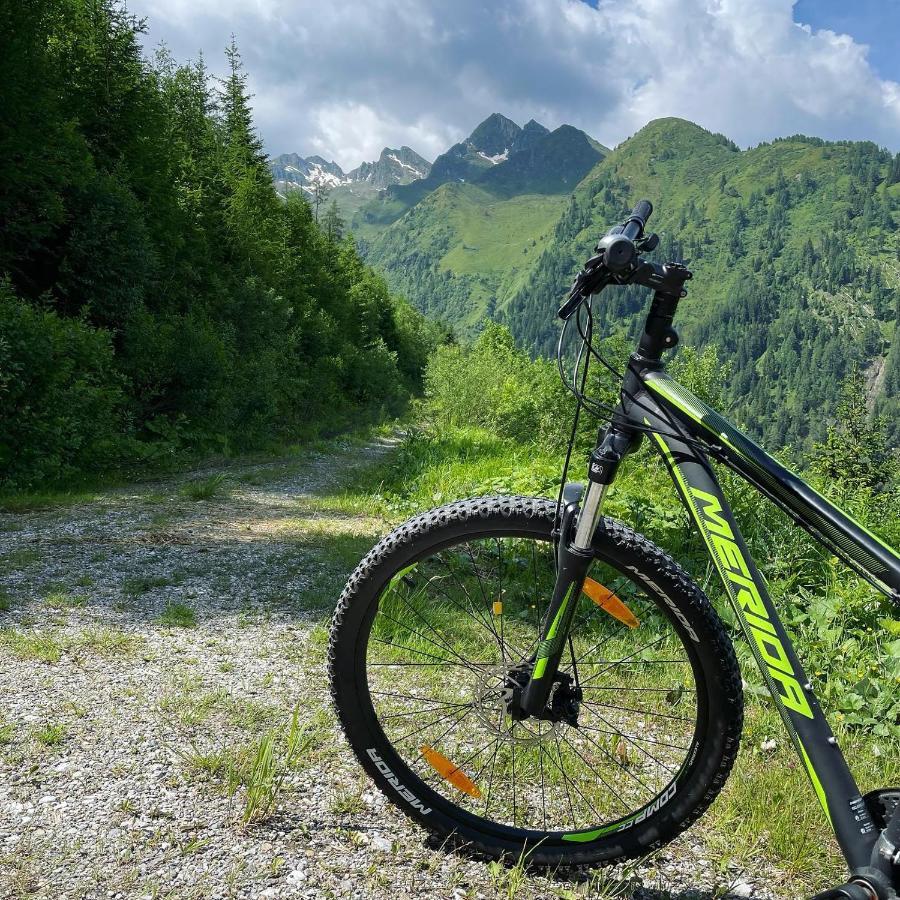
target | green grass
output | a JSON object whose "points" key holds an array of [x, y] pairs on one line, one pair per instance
{"points": [[487, 243], [31, 645], [16, 560], [41, 646], [34, 501], [176, 614], [205, 488], [142, 584], [105, 642], [50, 734], [61, 599], [6, 601], [255, 769], [190, 704]]}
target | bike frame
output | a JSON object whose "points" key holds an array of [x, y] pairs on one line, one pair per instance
{"points": [[688, 433], [679, 422]]}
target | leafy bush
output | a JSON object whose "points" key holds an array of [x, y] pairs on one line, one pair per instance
{"points": [[494, 385], [62, 401]]}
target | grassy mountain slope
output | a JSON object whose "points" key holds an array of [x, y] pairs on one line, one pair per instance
{"points": [[462, 247], [467, 243], [795, 253]]}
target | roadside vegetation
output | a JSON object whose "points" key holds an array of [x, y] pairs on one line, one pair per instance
{"points": [[494, 421], [158, 301]]}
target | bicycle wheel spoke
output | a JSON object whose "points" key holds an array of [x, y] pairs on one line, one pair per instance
{"points": [[630, 741], [565, 780], [634, 737], [428, 625], [418, 712], [440, 660], [471, 612], [649, 646], [485, 620], [622, 687], [487, 601], [490, 794], [456, 634], [619, 764], [409, 697], [418, 634], [437, 721], [642, 712], [571, 781], [543, 788]]}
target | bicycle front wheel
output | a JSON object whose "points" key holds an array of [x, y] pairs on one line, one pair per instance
{"points": [[431, 635]]}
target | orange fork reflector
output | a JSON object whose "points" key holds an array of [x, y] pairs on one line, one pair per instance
{"points": [[609, 602], [449, 772]]}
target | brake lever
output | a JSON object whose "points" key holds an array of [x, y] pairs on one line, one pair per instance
{"points": [[648, 243], [588, 281], [568, 308]]}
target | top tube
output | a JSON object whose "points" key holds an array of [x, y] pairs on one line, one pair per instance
{"points": [[825, 521]]}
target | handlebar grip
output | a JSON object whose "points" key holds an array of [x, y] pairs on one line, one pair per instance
{"points": [[643, 209], [634, 227], [569, 307]]}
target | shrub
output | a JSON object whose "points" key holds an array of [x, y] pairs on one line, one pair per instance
{"points": [[61, 398], [497, 386]]}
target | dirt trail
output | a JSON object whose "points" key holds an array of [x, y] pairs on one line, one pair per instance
{"points": [[120, 720]]}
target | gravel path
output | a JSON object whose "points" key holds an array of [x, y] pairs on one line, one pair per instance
{"points": [[126, 730]]}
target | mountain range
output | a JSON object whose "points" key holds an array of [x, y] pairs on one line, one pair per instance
{"points": [[794, 245], [350, 190]]}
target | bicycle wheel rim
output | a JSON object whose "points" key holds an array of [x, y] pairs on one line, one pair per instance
{"points": [[429, 790]]}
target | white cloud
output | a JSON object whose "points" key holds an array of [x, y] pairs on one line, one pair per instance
{"points": [[345, 78]]}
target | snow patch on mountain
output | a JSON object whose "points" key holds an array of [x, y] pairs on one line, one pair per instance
{"points": [[496, 158], [291, 172], [417, 172]]}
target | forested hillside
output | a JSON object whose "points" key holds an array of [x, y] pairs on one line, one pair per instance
{"points": [[156, 295], [793, 244], [796, 259]]}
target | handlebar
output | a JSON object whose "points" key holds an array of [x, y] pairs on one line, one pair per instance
{"points": [[633, 228], [618, 244], [616, 261]]}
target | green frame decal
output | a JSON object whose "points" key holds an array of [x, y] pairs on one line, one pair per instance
{"points": [[681, 426]]}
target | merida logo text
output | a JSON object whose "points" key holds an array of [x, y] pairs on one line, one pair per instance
{"points": [[404, 792], [730, 559]]}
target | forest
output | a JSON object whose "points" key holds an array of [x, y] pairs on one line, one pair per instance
{"points": [[157, 299]]}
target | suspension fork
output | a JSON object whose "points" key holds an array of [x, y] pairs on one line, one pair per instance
{"points": [[574, 557]]}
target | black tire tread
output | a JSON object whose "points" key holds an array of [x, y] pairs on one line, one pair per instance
{"points": [[662, 567]]}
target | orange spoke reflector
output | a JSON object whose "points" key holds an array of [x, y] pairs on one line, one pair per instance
{"points": [[449, 772], [498, 607], [609, 602]]}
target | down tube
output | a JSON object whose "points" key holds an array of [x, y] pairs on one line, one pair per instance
{"points": [[792, 693]]}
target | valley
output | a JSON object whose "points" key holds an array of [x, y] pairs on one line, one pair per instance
{"points": [[793, 243]]}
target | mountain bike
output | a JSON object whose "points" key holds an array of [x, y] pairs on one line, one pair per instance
{"points": [[534, 679]]}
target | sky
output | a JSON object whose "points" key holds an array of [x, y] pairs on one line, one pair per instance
{"points": [[345, 78]]}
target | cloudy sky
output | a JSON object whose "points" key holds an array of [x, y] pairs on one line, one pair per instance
{"points": [[347, 77]]}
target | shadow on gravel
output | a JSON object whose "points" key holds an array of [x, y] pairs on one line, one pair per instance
{"points": [[628, 886], [132, 577]]}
